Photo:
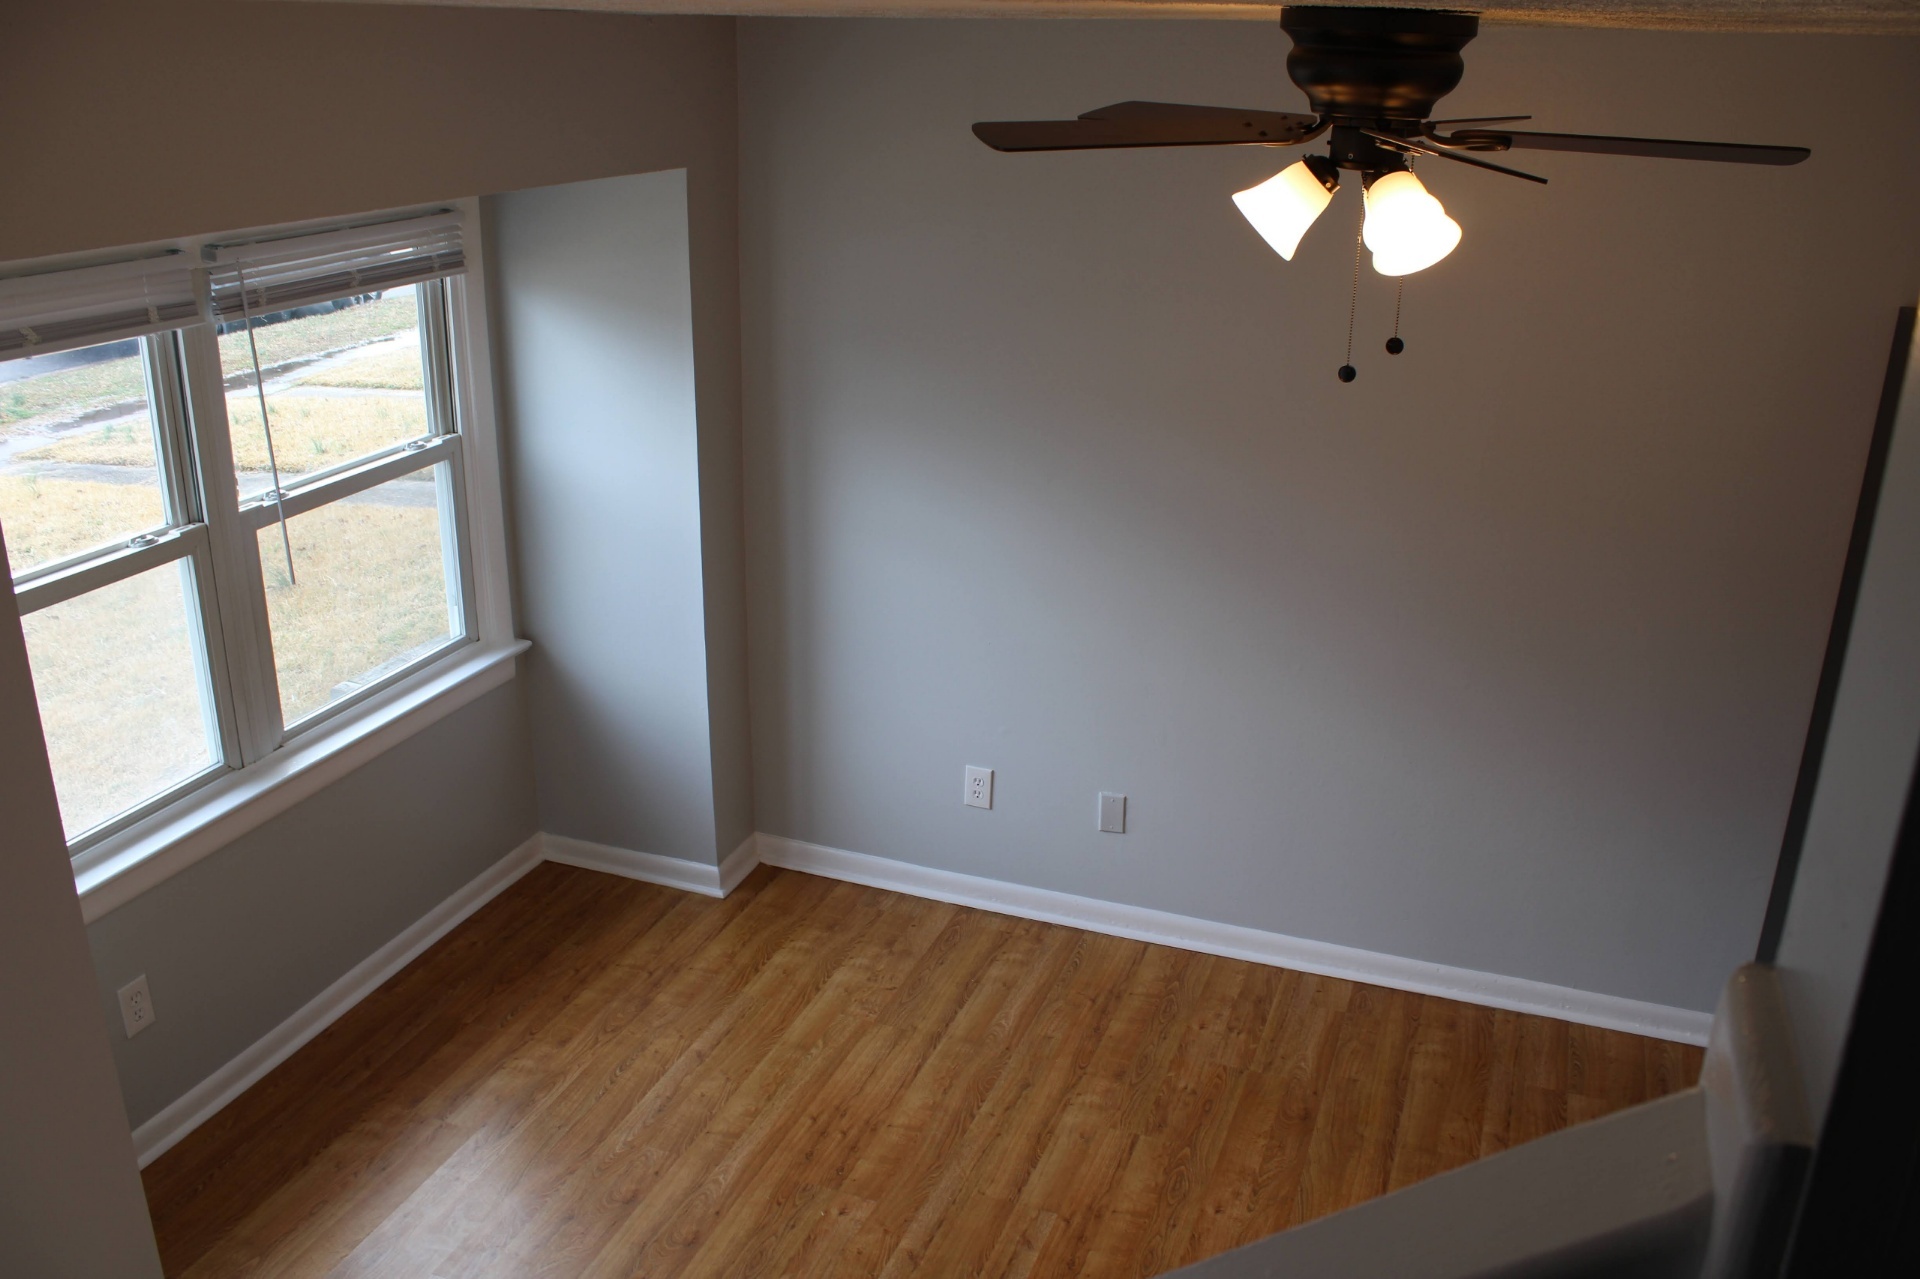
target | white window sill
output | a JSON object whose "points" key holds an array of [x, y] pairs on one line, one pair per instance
{"points": [[115, 871]]}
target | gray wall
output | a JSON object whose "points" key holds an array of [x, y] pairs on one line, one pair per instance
{"points": [[240, 940], [607, 443], [1499, 657], [70, 1200], [1864, 776], [363, 107]]}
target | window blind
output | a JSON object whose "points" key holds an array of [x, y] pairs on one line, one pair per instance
{"points": [[301, 270], [60, 310]]}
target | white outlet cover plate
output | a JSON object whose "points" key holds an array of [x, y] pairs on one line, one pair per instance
{"points": [[136, 1006], [979, 792], [1113, 813]]}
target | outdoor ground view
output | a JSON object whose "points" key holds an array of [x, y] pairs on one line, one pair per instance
{"points": [[117, 670]]}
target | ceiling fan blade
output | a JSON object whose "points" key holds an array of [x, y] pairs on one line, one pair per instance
{"points": [[1150, 124], [1478, 119], [1601, 144], [1417, 148]]}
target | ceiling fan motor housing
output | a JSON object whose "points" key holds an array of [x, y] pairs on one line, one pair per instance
{"points": [[1381, 69]]}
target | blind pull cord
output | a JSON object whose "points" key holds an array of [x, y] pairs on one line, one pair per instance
{"points": [[266, 424]]}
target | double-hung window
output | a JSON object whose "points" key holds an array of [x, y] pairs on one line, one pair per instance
{"points": [[234, 498]]}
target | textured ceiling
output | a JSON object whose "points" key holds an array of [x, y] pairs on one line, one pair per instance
{"points": [[1890, 16]]}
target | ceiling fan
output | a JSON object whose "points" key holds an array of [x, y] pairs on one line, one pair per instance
{"points": [[1372, 77]]}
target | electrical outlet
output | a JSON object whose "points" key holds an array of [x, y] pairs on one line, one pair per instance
{"points": [[1113, 813], [136, 1006], [979, 787]]}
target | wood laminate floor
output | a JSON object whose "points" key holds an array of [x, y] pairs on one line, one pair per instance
{"points": [[597, 1077]]}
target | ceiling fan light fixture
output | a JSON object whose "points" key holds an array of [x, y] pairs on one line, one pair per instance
{"points": [[1406, 228], [1286, 204]]}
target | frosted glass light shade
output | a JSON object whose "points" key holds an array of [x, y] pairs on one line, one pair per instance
{"points": [[1406, 228], [1284, 206]]}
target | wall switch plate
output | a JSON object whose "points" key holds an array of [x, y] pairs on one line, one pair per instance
{"points": [[1113, 813], [136, 1006], [979, 787]]}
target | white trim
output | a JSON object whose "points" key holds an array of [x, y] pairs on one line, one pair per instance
{"points": [[673, 872], [739, 864], [200, 1103], [115, 871], [471, 343], [310, 492], [1490, 990]]}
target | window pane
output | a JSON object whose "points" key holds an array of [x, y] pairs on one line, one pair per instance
{"points": [[343, 379], [370, 593], [121, 699], [78, 467]]}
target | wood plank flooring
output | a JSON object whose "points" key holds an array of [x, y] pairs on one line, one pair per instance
{"points": [[597, 1077]]}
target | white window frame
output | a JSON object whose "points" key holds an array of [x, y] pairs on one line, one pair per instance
{"points": [[184, 537], [270, 766], [248, 641]]}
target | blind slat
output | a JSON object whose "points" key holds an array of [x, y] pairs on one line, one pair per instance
{"points": [[302, 270], [60, 310]]}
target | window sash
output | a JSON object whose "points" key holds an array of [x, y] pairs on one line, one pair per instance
{"points": [[184, 537], [70, 579], [314, 491], [215, 698], [177, 502], [264, 728], [456, 565], [443, 444]]}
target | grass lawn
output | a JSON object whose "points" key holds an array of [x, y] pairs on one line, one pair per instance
{"points": [[310, 432], [313, 432], [370, 589], [396, 369], [313, 335], [119, 693], [47, 519], [118, 685], [70, 392]]}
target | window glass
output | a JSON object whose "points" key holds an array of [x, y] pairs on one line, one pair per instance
{"points": [[370, 591], [118, 674], [78, 466], [343, 379]]}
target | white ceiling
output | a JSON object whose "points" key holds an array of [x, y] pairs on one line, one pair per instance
{"points": [[1892, 16]]}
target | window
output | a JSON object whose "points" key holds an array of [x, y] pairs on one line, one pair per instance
{"points": [[233, 498]]}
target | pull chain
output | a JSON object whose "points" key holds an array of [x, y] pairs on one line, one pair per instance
{"points": [[1347, 371], [1394, 344]]}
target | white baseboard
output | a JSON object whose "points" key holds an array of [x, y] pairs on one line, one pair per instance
{"points": [[1167, 929], [739, 864], [160, 1133], [673, 872]]}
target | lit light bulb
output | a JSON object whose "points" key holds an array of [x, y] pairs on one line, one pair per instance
{"points": [[1406, 228], [1286, 204]]}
